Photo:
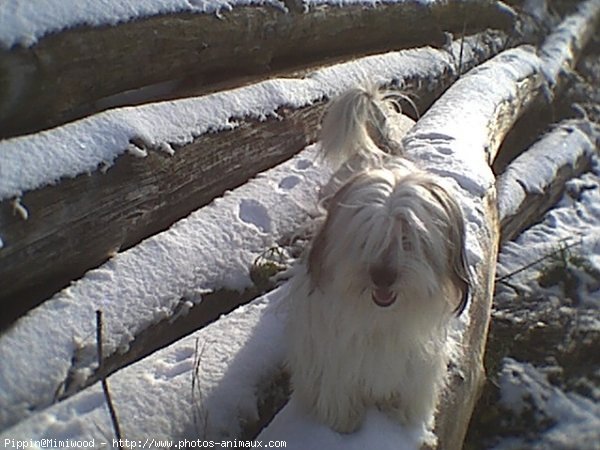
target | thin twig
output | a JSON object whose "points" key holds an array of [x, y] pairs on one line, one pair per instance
{"points": [[462, 44], [198, 407], [111, 408], [537, 261]]}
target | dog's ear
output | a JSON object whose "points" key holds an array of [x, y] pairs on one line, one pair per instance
{"points": [[316, 255], [457, 256], [314, 264]]}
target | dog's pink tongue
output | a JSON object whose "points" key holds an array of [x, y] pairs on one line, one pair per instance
{"points": [[383, 297]]}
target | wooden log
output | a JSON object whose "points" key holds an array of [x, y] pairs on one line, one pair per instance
{"points": [[559, 55], [149, 293], [67, 74], [535, 180], [464, 128], [81, 221]]}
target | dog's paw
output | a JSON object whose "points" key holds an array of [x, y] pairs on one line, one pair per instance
{"points": [[410, 411], [347, 423]]}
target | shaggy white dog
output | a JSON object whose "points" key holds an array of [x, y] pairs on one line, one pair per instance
{"points": [[372, 299]]}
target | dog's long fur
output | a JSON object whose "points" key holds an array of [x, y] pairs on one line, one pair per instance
{"points": [[372, 299]]}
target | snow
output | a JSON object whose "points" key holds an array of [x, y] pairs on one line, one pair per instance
{"points": [[30, 162], [577, 418], [562, 413], [458, 145], [371, 3], [82, 147], [535, 169], [377, 431], [23, 22], [573, 221]]}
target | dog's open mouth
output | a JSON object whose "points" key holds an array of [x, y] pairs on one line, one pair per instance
{"points": [[383, 297]]}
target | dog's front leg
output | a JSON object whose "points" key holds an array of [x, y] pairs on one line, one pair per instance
{"points": [[414, 405], [342, 411], [329, 398]]}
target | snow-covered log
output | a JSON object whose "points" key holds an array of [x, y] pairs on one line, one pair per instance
{"points": [[104, 183], [66, 59], [535, 180]]}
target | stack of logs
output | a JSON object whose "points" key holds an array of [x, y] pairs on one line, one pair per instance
{"points": [[81, 221]]}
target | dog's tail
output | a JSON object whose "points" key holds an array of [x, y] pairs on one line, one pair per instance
{"points": [[355, 124]]}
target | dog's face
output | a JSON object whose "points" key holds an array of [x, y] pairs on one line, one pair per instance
{"points": [[394, 238]]}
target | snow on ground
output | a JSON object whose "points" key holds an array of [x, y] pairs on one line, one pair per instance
{"points": [[31, 162], [577, 419], [547, 305], [574, 221]]}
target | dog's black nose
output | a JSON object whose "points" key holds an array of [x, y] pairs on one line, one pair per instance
{"points": [[382, 276]]}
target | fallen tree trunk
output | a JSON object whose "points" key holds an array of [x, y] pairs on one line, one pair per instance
{"points": [[535, 180], [182, 47], [559, 55], [81, 221]]}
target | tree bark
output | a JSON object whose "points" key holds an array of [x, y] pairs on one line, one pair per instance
{"points": [[564, 153], [82, 70]]}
